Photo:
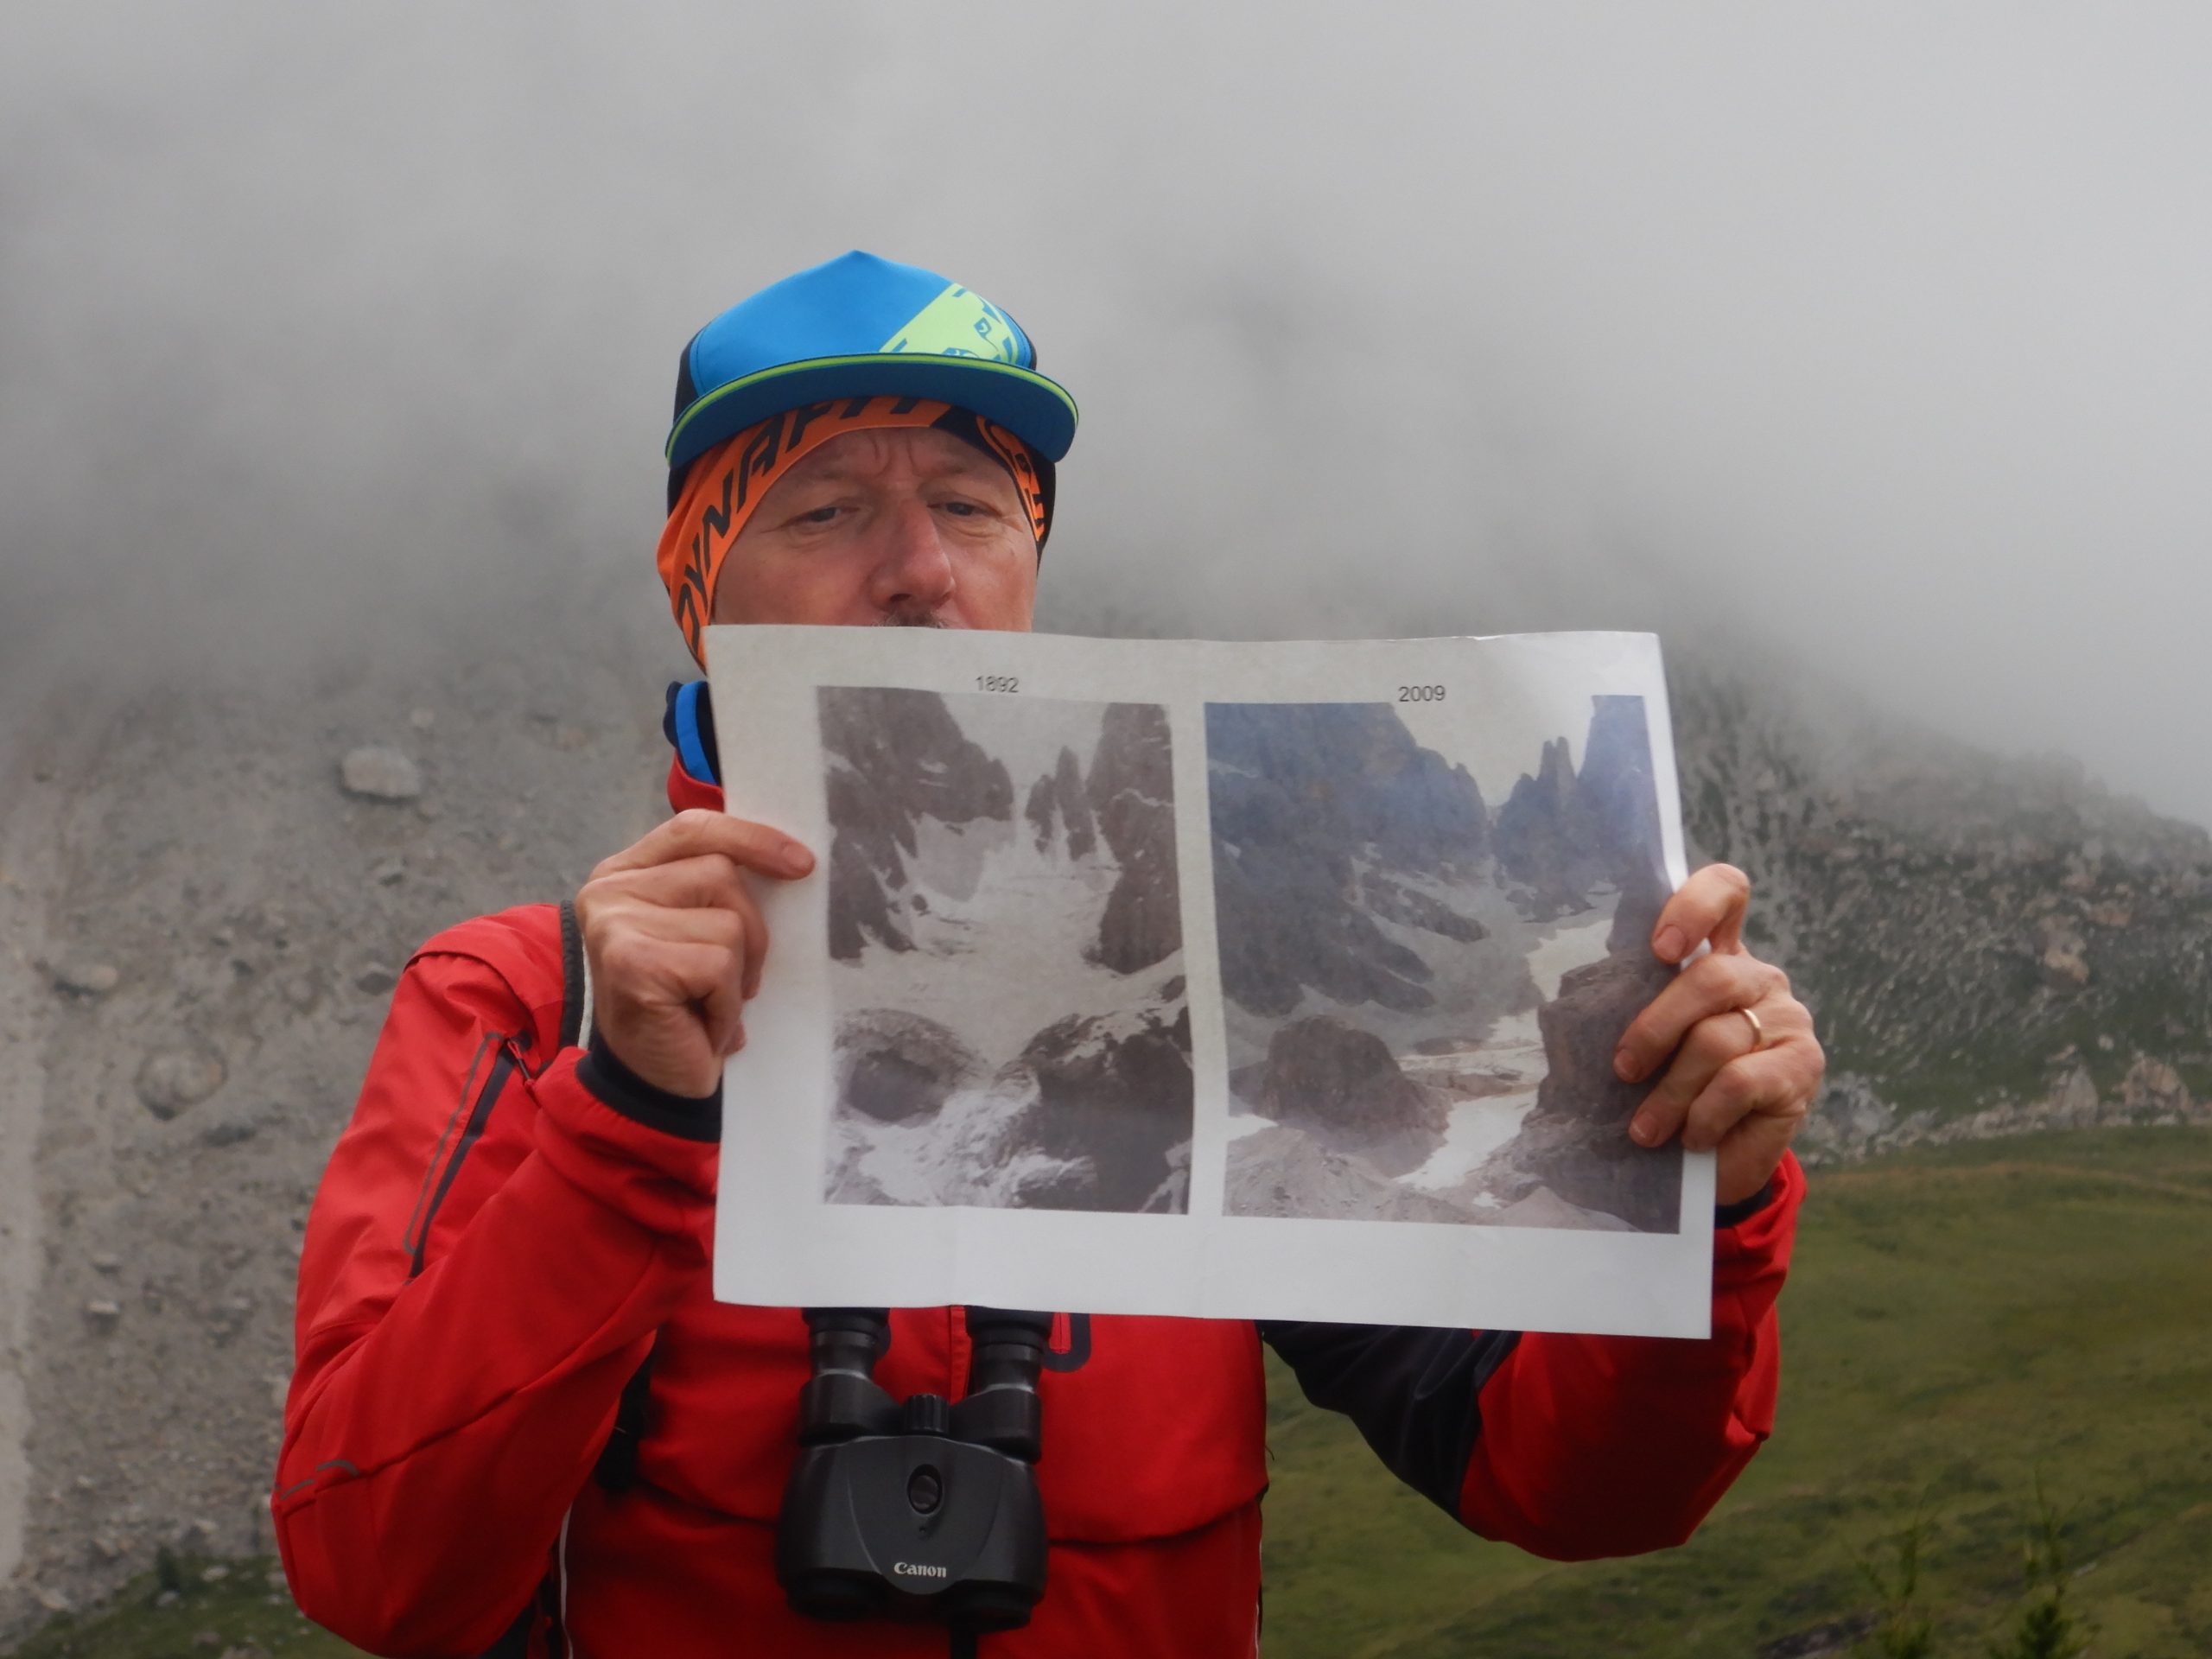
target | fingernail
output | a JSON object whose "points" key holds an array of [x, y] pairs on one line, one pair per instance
{"points": [[1624, 1066], [1643, 1131], [1668, 944], [796, 858]]}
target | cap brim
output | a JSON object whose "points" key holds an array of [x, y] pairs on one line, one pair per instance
{"points": [[1037, 411]]}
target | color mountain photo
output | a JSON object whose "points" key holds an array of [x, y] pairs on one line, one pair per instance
{"points": [[1423, 994]]}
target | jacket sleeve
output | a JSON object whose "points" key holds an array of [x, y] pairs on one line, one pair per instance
{"points": [[462, 1344], [1572, 1446]]}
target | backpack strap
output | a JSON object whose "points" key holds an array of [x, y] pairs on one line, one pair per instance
{"points": [[617, 1468], [575, 980]]}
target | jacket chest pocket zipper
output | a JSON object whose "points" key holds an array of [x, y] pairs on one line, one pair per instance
{"points": [[506, 1062]]}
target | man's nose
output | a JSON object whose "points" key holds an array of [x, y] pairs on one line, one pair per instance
{"points": [[913, 572]]}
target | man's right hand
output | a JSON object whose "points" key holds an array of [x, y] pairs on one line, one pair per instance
{"points": [[676, 943]]}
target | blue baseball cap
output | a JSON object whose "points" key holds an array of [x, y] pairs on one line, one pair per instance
{"points": [[862, 326]]}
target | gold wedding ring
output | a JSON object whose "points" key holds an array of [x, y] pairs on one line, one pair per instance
{"points": [[1758, 1031]]}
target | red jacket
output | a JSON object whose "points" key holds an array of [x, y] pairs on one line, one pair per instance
{"points": [[495, 1248]]}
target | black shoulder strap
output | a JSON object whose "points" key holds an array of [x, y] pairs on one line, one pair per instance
{"points": [[575, 980], [515, 1643], [617, 1468]]}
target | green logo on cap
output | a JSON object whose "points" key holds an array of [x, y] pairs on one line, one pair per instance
{"points": [[959, 324]]}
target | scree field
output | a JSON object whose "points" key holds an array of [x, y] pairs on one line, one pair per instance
{"points": [[1962, 1323]]}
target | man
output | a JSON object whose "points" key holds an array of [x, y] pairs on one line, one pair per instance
{"points": [[520, 1424]]}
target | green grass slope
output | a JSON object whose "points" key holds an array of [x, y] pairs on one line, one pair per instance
{"points": [[243, 1609], [1961, 1320]]}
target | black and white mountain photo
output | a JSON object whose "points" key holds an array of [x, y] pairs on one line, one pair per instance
{"points": [[1422, 986], [1006, 973]]}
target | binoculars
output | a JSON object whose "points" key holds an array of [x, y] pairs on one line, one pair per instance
{"points": [[921, 1508]]}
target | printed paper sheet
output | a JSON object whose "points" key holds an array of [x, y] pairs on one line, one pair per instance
{"points": [[1264, 981]]}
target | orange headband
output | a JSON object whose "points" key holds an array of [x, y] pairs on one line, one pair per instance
{"points": [[728, 481]]}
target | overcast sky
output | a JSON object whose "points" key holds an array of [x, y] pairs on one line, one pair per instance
{"points": [[1878, 337]]}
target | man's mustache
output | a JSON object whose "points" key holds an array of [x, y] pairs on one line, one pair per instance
{"points": [[909, 618]]}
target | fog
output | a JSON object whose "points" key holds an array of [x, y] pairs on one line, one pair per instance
{"points": [[1874, 341]]}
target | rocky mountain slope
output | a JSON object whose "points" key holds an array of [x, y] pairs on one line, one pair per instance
{"points": [[1990, 944], [204, 905], [1297, 791], [207, 895]]}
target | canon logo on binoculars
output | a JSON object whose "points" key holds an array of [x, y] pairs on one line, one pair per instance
{"points": [[916, 1570]]}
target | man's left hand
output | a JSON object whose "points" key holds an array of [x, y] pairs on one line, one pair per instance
{"points": [[1740, 1082]]}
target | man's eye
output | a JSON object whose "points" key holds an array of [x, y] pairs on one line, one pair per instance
{"points": [[819, 516], [962, 509]]}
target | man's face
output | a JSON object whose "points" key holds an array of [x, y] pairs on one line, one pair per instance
{"points": [[893, 524]]}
